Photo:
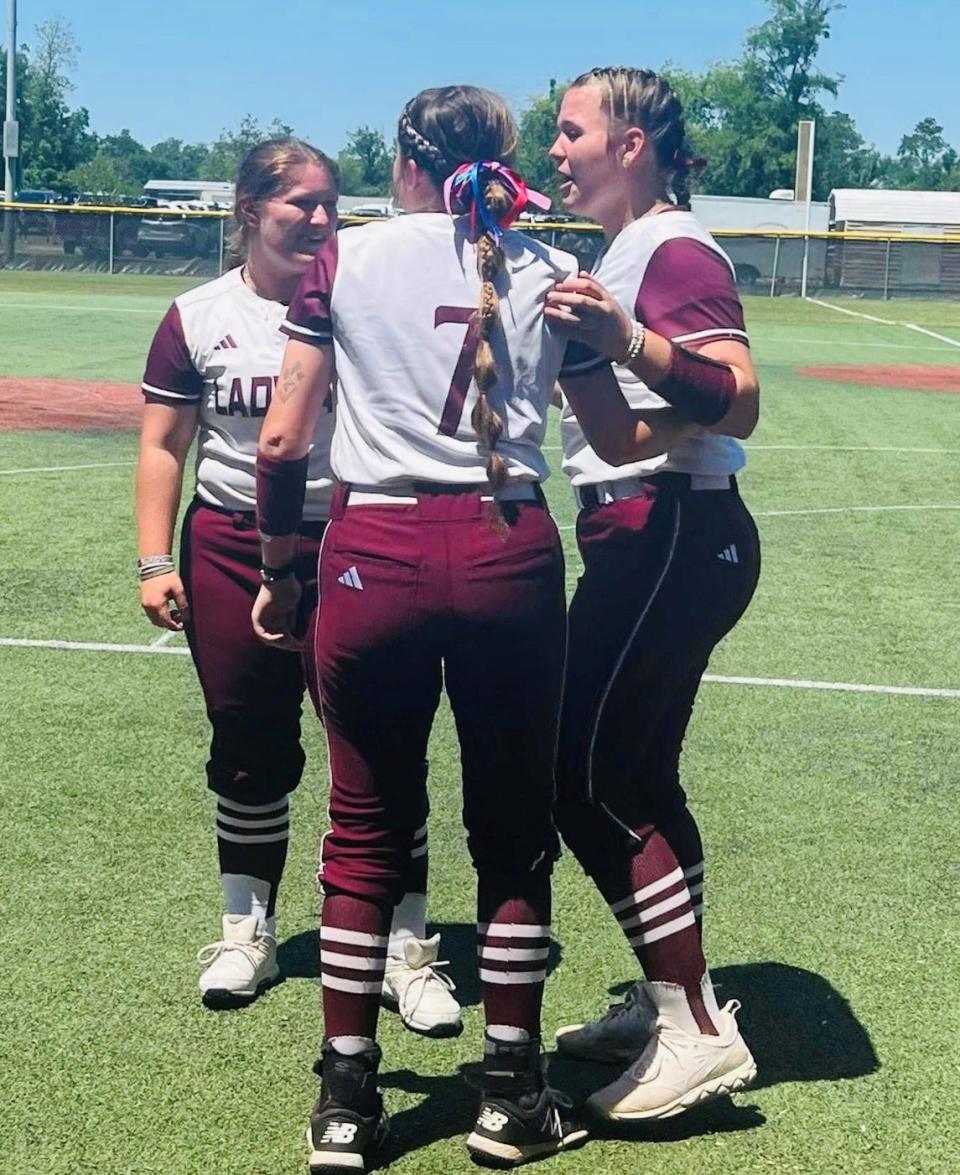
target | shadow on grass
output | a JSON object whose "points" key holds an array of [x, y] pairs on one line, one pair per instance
{"points": [[299, 957], [798, 1026]]}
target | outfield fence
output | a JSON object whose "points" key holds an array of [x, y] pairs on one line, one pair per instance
{"points": [[888, 264]]}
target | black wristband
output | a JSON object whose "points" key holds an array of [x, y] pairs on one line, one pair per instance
{"points": [[275, 574]]}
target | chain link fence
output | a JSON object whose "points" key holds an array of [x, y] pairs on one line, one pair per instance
{"points": [[191, 243]]}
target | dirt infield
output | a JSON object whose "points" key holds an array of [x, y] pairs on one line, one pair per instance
{"points": [[917, 378], [69, 405]]}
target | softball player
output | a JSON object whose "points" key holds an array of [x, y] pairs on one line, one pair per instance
{"points": [[441, 566], [211, 371], [671, 560]]}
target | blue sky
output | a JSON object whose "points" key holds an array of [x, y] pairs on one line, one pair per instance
{"points": [[189, 68]]}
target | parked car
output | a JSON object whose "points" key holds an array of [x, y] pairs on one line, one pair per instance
{"points": [[37, 222], [179, 236], [89, 232]]}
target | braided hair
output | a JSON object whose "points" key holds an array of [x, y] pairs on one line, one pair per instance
{"points": [[640, 97], [441, 129]]}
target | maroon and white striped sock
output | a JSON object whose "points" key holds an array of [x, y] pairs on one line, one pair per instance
{"points": [[353, 951], [658, 920], [513, 943], [252, 842], [410, 914]]}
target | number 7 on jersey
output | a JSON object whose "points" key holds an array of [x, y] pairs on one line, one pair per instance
{"points": [[463, 372]]}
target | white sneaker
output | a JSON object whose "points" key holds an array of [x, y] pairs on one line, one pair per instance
{"points": [[242, 964], [413, 987], [620, 1034], [678, 1070]]}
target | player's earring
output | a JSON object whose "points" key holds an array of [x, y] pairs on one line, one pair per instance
{"points": [[625, 161]]}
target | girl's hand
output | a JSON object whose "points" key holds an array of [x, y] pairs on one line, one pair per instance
{"points": [[584, 310], [274, 614], [164, 601]]}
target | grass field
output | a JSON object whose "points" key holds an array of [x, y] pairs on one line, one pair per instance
{"points": [[830, 815]]}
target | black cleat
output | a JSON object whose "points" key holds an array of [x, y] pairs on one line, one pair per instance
{"points": [[348, 1122], [521, 1118]]}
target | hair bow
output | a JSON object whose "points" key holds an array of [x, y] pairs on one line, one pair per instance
{"points": [[464, 184]]}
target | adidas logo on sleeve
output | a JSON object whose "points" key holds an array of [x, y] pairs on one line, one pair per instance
{"points": [[729, 554]]}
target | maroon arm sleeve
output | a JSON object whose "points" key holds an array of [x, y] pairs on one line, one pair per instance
{"points": [[170, 376], [688, 295], [308, 318]]}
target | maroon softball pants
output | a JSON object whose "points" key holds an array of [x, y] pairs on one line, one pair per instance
{"points": [[253, 694], [414, 598], [666, 575]]}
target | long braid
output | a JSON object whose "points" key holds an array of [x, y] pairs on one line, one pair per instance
{"points": [[440, 130], [490, 266]]}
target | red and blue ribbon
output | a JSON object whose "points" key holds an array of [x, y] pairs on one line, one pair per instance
{"points": [[465, 185]]}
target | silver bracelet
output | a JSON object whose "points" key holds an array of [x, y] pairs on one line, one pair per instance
{"points": [[151, 566], [637, 338]]}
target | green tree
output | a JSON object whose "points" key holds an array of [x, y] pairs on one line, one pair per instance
{"points": [[130, 157], [174, 159], [366, 163], [925, 158], [537, 126], [102, 175], [224, 156], [53, 138]]}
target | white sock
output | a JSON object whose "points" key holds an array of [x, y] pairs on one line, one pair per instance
{"points": [[670, 1000], [409, 921], [710, 999], [245, 895], [350, 1046], [507, 1033]]}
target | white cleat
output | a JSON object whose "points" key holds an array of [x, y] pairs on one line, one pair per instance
{"points": [[421, 994], [678, 1070], [242, 964], [620, 1034]]}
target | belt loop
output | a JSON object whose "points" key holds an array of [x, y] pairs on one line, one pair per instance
{"points": [[338, 502]]}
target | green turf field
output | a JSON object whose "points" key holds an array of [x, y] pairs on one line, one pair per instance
{"points": [[830, 815]]}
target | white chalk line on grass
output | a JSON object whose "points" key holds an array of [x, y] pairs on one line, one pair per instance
{"points": [[846, 449], [67, 468], [887, 321], [78, 309], [845, 510], [778, 682], [164, 638]]}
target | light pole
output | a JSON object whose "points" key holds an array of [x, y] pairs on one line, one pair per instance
{"points": [[11, 131]]}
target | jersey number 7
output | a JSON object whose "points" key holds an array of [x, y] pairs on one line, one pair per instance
{"points": [[463, 372]]}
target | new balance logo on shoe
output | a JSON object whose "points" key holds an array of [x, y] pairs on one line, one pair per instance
{"points": [[729, 554], [492, 1120], [339, 1133], [351, 579], [227, 344]]}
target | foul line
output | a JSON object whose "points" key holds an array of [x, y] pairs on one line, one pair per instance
{"points": [[779, 682], [91, 647], [846, 449], [843, 686], [886, 321], [77, 309], [845, 510], [66, 468]]}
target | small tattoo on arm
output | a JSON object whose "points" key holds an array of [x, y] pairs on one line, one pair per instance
{"points": [[290, 381]]}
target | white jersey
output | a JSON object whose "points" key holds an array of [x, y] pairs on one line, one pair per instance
{"points": [[399, 301], [220, 346], [668, 273]]}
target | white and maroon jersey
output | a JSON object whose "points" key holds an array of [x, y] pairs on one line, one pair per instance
{"points": [[668, 273], [399, 300], [219, 346]]}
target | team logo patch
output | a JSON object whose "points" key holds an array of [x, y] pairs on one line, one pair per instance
{"points": [[351, 579], [729, 554]]}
